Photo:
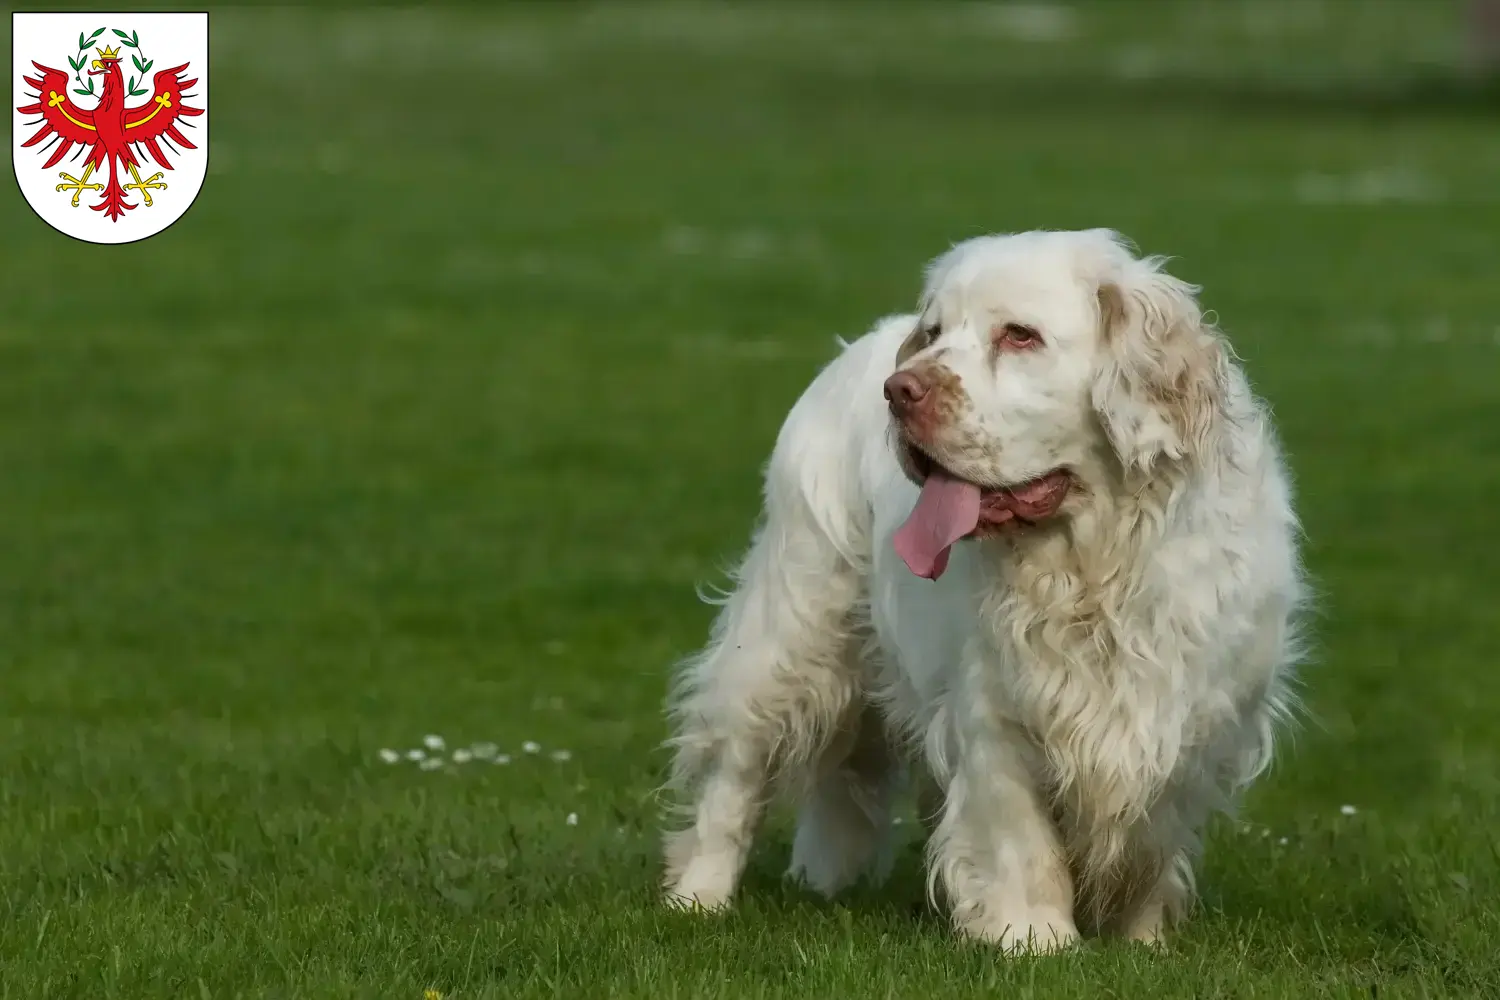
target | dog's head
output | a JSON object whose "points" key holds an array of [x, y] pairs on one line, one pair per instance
{"points": [[1038, 357]]}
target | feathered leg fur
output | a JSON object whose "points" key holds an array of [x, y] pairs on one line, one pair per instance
{"points": [[764, 699]]}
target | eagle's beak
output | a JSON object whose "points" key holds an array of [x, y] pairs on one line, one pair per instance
{"points": [[96, 64]]}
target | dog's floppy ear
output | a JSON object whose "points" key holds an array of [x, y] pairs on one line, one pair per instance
{"points": [[1160, 391]]}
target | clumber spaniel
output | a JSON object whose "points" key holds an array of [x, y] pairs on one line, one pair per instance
{"points": [[1035, 546]]}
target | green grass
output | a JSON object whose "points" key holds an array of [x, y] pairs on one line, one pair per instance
{"points": [[431, 413]]}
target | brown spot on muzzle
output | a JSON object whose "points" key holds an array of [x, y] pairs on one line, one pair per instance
{"points": [[944, 400]]}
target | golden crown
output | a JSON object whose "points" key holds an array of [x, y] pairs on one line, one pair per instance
{"points": [[108, 53]]}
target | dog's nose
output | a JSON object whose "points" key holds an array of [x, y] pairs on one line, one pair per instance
{"points": [[904, 390]]}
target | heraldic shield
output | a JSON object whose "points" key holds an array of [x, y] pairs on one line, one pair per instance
{"points": [[109, 120]]}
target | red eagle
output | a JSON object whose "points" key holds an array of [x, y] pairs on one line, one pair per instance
{"points": [[111, 129]]}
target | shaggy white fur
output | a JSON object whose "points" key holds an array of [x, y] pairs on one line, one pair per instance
{"points": [[1077, 694]]}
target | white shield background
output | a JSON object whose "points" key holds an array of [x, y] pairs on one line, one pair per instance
{"points": [[168, 40]]}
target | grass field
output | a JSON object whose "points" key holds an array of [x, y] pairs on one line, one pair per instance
{"points": [[433, 411]]}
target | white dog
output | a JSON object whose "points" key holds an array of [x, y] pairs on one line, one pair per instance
{"points": [[1090, 642]]}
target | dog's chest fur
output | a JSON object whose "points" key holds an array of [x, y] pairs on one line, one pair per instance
{"points": [[1101, 676]]}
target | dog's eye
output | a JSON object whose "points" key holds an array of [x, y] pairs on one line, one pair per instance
{"points": [[931, 333], [1017, 335]]}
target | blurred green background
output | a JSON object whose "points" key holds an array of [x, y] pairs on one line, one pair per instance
{"points": [[456, 379]]}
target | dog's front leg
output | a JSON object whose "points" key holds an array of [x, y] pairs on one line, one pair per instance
{"points": [[996, 852]]}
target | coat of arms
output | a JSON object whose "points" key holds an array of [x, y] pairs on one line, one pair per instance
{"points": [[114, 147]]}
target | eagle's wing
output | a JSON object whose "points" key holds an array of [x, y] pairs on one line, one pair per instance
{"points": [[158, 118], [60, 116]]}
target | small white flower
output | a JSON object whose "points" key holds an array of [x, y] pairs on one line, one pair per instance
{"points": [[531, 747], [502, 758], [434, 742], [484, 751], [415, 754], [1348, 810], [1282, 841], [572, 819], [897, 821], [431, 764], [461, 756], [561, 755], [389, 756]]}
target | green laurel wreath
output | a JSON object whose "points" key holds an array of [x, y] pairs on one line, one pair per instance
{"points": [[84, 44], [132, 40]]}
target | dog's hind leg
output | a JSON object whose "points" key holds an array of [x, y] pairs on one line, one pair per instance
{"points": [[769, 691], [780, 673], [844, 828], [767, 694]]}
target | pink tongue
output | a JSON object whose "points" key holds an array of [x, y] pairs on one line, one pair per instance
{"points": [[947, 510]]}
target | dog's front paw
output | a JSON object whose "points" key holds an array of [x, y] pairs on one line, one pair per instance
{"points": [[703, 885], [698, 901], [1035, 933]]}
